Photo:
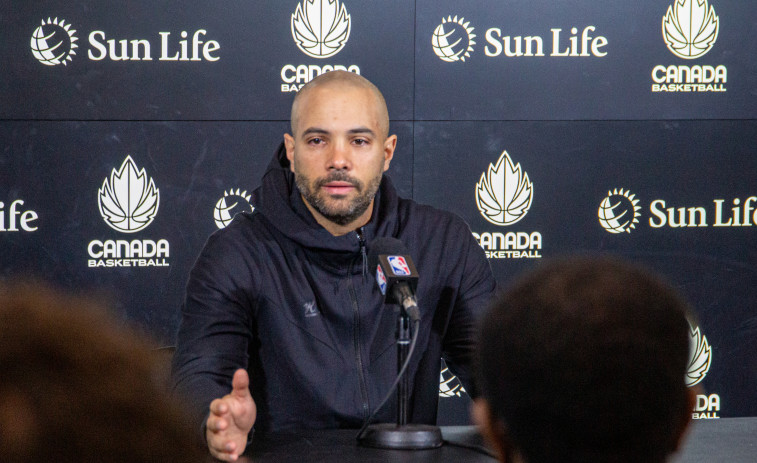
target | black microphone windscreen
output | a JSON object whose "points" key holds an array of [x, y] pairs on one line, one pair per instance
{"points": [[384, 245]]}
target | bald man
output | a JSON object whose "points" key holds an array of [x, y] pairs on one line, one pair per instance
{"points": [[283, 327]]}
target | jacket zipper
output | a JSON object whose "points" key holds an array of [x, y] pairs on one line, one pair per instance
{"points": [[361, 239], [356, 331]]}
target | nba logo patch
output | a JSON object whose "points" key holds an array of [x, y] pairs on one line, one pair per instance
{"points": [[381, 279], [399, 266]]}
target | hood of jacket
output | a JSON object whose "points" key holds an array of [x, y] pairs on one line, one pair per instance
{"points": [[279, 200]]}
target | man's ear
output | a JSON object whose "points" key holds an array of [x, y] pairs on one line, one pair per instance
{"points": [[289, 145], [390, 144], [491, 428]]}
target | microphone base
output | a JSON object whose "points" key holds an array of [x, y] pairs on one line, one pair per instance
{"points": [[405, 437]]}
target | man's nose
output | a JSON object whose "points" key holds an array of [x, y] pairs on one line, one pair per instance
{"points": [[339, 156]]}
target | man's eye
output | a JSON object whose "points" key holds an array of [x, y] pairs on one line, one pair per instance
{"points": [[315, 141], [360, 141]]}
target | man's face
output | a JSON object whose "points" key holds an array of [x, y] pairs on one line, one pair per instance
{"points": [[338, 152]]}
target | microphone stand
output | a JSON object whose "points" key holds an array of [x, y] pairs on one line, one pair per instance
{"points": [[403, 435]]}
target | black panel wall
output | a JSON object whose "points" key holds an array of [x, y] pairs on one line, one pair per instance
{"points": [[594, 109]]}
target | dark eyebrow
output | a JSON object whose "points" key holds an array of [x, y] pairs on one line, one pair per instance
{"points": [[310, 130], [365, 130], [357, 130]]}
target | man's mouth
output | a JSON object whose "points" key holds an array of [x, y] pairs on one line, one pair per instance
{"points": [[338, 188]]}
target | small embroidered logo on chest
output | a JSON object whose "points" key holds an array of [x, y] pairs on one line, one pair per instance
{"points": [[310, 309]]}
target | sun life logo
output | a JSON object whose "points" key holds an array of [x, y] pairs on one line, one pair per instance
{"points": [[461, 36], [232, 203], [700, 355], [690, 28], [619, 211], [128, 201], [504, 192], [320, 28], [54, 42]]}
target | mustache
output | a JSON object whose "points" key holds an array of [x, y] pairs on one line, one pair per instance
{"points": [[339, 176]]}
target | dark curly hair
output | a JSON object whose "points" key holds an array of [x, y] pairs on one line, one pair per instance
{"points": [[77, 387], [584, 360]]}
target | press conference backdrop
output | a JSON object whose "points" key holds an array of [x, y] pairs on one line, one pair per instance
{"points": [[132, 130]]}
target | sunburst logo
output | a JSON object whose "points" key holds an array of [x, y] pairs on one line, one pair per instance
{"points": [[54, 42], [449, 384], [128, 200], [700, 355], [453, 39], [619, 211], [232, 203], [690, 28], [320, 28], [504, 192]]}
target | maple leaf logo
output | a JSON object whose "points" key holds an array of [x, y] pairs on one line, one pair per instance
{"points": [[690, 28], [128, 201], [320, 27], [504, 192]]}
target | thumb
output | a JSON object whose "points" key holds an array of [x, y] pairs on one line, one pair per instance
{"points": [[240, 384]]}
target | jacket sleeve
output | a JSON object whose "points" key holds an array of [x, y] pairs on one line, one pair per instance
{"points": [[215, 327], [477, 287]]}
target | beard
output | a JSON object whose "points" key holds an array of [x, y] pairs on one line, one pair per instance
{"points": [[335, 210]]}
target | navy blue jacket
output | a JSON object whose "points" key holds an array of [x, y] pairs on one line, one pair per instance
{"points": [[277, 294]]}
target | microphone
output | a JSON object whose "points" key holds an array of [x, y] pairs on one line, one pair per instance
{"points": [[395, 273], [397, 278]]}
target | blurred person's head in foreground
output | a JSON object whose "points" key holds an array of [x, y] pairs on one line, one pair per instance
{"points": [[584, 360], [76, 387]]}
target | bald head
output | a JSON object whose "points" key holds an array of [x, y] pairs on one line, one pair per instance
{"points": [[341, 80]]}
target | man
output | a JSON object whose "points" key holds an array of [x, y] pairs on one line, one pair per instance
{"points": [[77, 387], [584, 361], [281, 308]]}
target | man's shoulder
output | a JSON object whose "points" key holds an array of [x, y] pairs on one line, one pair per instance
{"points": [[239, 236]]}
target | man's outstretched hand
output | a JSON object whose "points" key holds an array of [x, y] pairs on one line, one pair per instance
{"points": [[231, 419]]}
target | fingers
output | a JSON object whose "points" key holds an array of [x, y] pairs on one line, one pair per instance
{"points": [[230, 419], [219, 407], [226, 453], [219, 443]]}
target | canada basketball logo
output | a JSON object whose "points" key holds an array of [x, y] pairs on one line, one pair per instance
{"points": [[619, 211], [54, 42], [690, 28], [128, 200], [504, 192], [453, 39], [232, 203], [320, 28]]}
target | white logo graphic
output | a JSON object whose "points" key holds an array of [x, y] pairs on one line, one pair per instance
{"points": [[457, 32], [53, 42], [310, 309], [320, 28], [690, 28], [619, 211], [503, 194], [449, 385], [700, 355], [129, 201], [229, 205]]}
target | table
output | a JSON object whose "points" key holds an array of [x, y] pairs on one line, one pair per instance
{"points": [[731, 440]]}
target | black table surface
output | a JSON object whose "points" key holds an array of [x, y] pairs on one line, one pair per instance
{"points": [[462, 443], [731, 440]]}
